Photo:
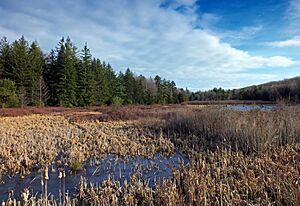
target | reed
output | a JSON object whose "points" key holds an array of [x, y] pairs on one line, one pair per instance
{"points": [[221, 178], [250, 132], [236, 158]]}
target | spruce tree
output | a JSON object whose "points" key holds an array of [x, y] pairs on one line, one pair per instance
{"points": [[65, 84], [112, 79], [20, 67], [129, 83], [8, 94], [86, 85], [64, 79], [5, 59], [102, 88], [34, 75], [50, 77], [120, 90], [140, 90]]}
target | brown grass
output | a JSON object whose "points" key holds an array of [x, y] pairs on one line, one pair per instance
{"points": [[236, 158], [231, 102], [249, 132], [218, 178], [34, 140]]}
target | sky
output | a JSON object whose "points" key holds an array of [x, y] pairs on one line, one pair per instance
{"points": [[200, 44]]}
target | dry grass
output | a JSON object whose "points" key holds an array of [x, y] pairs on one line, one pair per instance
{"points": [[231, 102], [218, 178], [249, 132], [37, 140], [237, 158]]}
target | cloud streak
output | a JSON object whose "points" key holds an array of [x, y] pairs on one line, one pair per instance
{"points": [[293, 17], [294, 42], [143, 35]]}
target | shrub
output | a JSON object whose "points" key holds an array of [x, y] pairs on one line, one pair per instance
{"points": [[118, 101]]}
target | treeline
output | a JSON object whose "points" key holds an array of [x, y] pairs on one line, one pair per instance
{"points": [[282, 91], [67, 77]]}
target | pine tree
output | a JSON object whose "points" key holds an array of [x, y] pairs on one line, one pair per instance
{"points": [[50, 77], [129, 83], [102, 88], [112, 79], [140, 90], [64, 79], [159, 85], [86, 85], [5, 59], [65, 83], [8, 95], [20, 66], [120, 90], [34, 75]]}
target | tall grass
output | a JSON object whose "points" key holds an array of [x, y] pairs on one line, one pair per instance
{"points": [[236, 158], [222, 177], [249, 132]]}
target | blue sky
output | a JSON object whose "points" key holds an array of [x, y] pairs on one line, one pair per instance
{"points": [[199, 44]]}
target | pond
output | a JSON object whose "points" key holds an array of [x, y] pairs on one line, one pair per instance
{"points": [[251, 107], [95, 171]]}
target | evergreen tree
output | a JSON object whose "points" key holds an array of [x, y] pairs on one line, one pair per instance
{"points": [[34, 75], [50, 76], [158, 83], [8, 95], [173, 97], [86, 82], [102, 88], [112, 79], [64, 79], [65, 84], [5, 59], [120, 90], [20, 67], [140, 90], [129, 83]]}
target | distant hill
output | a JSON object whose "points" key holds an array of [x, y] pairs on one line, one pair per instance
{"points": [[292, 82], [287, 90]]}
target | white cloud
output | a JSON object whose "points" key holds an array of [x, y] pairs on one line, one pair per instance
{"points": [[293, 16], [294, 42], [209, 22], [140, 35], [245, 33]]}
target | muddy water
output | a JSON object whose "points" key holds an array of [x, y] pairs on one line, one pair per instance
{"points": [[94, 171]]}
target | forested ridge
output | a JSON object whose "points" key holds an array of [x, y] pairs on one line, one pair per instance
{"points": [[71, 77], [285, 91]]}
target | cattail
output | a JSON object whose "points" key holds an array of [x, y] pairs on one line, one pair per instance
{"points": [[64, 186], [53, 169], [25, 196], [42, 182], [46, 177], [60, 175]]}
